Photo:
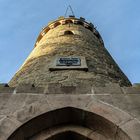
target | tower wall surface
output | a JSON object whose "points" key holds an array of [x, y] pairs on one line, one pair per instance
{"points": [[75, 38]]}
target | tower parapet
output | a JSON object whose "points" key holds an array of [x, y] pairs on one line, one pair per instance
{"points": [[69, 20]]}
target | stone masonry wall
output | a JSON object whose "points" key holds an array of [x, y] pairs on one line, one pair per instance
{"points": [[20, 104], [102, 68]]}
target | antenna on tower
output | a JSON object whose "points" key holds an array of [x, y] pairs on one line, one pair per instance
{"points": [[69, 8]]}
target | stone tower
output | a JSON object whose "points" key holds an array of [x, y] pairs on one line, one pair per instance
{"points": [[69, 88], [75, 38]]}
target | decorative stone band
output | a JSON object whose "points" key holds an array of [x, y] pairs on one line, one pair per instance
{"points": [[69, 20], [55, 88]]}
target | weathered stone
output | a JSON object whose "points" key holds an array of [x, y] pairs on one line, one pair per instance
{"points": [[53, 88], [130, 103], [28, 88], [35, 105], [56, 88], [132, 129], [111, 88], [7, 126], [10, 103], [108, 112], [6, 89], [131, 90]]}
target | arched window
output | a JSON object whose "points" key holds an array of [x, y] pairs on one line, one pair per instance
{"points": [[56, 24], [68, 33], [68, 22]]}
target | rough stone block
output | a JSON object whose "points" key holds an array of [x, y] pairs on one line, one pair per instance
{"points": [[128, 102], [32, 107], [53, 88], [4, 89], [131, 90], [28, 88], [11, 103], [132, 129], [112, 88], [7, 125], [61, 100], [68, 89], [56, 88], [84, 89], [109, 112]]}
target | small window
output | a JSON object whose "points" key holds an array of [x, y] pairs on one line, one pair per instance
{"points": [[68, 22], [68, 33], [62, 33]]}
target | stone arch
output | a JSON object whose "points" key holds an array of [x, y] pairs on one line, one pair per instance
{"points": [[100, 118], [67, 116]]}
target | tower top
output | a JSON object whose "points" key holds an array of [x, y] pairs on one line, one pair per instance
{"points": [[71, 19]]}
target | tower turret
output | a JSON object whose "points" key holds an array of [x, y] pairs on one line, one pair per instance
{"points": [[69, 51]]}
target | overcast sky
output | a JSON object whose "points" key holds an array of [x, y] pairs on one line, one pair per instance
{"points": [[118, 21]]}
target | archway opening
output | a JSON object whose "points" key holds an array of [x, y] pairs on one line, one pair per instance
{"points": [[68, 136], [67, 116]]}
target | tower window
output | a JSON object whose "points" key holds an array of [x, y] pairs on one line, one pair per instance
{"points": [[68, 21], [68, 33]]}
